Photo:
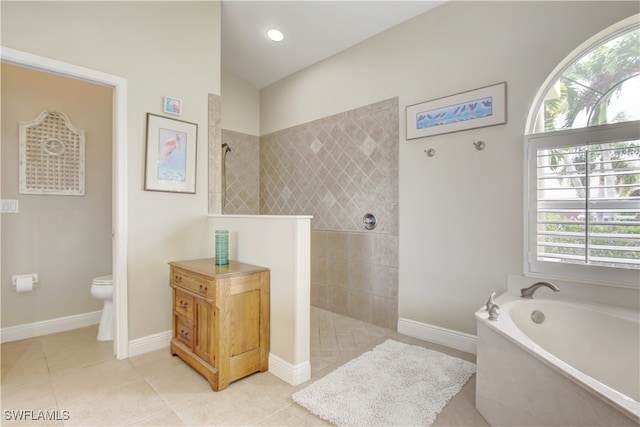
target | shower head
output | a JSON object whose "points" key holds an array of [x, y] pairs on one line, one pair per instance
{"points": [[226, 148]]}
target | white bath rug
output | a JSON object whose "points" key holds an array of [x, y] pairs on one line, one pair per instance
{"points": [[394, 384]]}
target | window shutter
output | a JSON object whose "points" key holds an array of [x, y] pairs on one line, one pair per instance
{"points": [[584, 201]]}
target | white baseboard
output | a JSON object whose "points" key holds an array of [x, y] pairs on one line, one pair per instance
{"points": [[291, 374], [51, 326], [448, 337], [149, 343]]}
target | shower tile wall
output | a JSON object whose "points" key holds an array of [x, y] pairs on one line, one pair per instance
{"points": [[243, 173], [215, 151], [356, 275], [338, 169]]}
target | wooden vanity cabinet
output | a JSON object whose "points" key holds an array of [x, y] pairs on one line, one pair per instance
{"points": [[220, 318]]}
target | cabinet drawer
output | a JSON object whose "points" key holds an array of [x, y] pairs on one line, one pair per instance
{"points": [[184, 330], [183, 303], [198, 285]]}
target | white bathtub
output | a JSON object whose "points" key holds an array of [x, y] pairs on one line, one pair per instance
{"points": [[580, 366]]}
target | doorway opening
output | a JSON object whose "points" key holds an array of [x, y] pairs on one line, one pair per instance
{"points": [[119, 175]]}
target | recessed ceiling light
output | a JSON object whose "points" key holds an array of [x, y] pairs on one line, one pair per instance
{"points": [[275, 35]]}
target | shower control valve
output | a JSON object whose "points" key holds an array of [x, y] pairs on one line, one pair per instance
{"points": [[369, 221]]}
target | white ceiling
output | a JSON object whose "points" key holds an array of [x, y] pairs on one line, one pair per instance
{"points": [[314, 30]]}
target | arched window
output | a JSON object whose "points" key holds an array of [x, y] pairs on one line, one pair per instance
{"points": [[599, 87], [583, 157]]}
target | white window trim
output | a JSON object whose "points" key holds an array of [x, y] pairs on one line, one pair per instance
{"points": [[562, 271], [586, 274]]}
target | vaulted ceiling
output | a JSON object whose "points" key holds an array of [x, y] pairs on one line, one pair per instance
{"points": [[313, 30]]}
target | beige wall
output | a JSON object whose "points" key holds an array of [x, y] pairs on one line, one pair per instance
{"points": [[161, 48], [66, 240], [240, 129], [240, 105], [461, 218]]}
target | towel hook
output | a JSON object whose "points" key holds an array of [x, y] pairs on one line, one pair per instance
{"points": [[430, 152], [480, 145]]}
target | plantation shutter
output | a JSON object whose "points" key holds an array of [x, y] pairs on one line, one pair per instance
{"points": [[584, 197]]}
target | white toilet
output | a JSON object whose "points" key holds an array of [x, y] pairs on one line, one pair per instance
{"points": [[102, 288]]}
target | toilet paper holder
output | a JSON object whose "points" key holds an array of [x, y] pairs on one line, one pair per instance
{"points": [[32, 276]]}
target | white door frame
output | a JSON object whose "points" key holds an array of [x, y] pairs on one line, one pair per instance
{"points": [[119, 175]]}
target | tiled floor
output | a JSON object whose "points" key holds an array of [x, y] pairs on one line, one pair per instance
{"points": [[76, 379]]}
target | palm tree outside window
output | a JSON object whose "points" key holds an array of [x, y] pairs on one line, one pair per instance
{"points": [[583, 157]]}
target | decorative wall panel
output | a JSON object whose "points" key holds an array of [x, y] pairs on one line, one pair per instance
{"points": [[51, 156]]}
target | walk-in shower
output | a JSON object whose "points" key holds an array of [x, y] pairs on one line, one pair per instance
{"points": [[225, 150]]}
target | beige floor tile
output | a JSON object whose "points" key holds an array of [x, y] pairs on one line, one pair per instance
{"points": [[346, 342], [292, 416], [268, 385], [122, 405], [93, 353], [28, 366], [72, 384], [28, 396], [154, 363], [234, 406], [76, 338], [180, 383], [16, 348], [164, 418]]}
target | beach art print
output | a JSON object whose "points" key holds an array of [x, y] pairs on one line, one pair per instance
{"points": [[172, 105], [171, 155], [468, 110]]}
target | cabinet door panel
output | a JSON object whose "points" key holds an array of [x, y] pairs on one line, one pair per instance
{"points": [[204, 333], [245, 322]]}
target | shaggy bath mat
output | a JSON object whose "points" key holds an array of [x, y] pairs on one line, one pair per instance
{"points": [[394, 384]]}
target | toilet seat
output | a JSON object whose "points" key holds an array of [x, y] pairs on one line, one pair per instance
{"points": [[103, 280]]}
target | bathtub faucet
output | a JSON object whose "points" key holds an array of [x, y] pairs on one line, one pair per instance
{"points": [[528, 292], [492, 307]]}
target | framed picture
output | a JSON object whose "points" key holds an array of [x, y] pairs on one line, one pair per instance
{"points": [[171, 155], [172, 105], [477, 108]]}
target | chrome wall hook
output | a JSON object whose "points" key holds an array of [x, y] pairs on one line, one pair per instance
{"points": [[430, 152], [480, 145]]}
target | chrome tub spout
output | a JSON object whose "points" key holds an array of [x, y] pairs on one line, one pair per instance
{"points": [[528, 292]]}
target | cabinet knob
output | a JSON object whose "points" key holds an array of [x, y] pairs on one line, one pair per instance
{"points": [[203, 289], [184, 334], [177, 278], [184, 305]]}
